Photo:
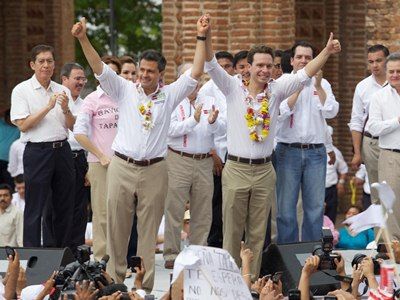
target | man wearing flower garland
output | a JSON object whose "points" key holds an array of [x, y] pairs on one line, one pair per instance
{"points": [[301, 153], [248, 178], [140, 146]]}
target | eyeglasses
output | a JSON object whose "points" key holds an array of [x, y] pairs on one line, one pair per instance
{"points": [[83, 79], [43, 61]]}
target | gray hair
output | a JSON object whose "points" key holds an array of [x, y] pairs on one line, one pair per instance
{"points": [[393, 57]]}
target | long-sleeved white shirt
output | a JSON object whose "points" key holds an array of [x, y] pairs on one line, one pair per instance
{"points": [[220, 140], [363, 175], [384, 116], [131, 140], [11, 227], [186, 134], [332, 171], [362, 97], [75, 107], [239, 142], [305, 123]]}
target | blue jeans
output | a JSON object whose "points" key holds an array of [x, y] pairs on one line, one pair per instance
{"points": [[306, 169]]}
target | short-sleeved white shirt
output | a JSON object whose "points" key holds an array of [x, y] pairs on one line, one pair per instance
{"points": [[28, 98]]}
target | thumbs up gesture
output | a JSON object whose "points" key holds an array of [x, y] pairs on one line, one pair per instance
{"points": [[79, 29], [333, 45]]}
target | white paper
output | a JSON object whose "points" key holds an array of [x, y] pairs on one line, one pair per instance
{"points": [[386, 195], [370, 218]]}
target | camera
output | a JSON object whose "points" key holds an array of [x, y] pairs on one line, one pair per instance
{"points": [[357, 259], [324, 251], [81, 269]]}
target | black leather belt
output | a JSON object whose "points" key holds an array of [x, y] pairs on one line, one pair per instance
{"points": [[367, 134], [142, 163], [194, 156], [54, 145], [303, 146], [393, 150], [250, 161], [76, 153]]}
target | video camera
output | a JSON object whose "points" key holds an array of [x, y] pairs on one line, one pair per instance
{"points": [[324, 251], [81, 269]]}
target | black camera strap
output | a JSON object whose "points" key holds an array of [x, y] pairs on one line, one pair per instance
{"points": [[341, 278]]}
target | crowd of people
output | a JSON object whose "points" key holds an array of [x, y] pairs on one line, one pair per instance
{"points": [[247, 152]]}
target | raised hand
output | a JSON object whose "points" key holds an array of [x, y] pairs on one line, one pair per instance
{"points": [[79, 29], [333, 46], [203, 25], [52, 102], [311, 265], [213, 115], [63, 100]]}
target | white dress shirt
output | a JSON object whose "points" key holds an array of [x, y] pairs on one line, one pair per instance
{"points": [[18, 202], [384, 116], [362, 96], [15, 159], [305, 123], [131, 139], [11, 227], [28, 98], [332, 171], [220, 140], [363, 175], [186, 134], [239, 142], [75, 107]]}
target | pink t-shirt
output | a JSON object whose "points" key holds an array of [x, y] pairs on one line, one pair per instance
{"points": [[98, 119]]}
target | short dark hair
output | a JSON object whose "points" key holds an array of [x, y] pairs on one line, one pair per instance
{"points": [[153, 55], [377, 48], [304, 44], [239, 56], [19, 178], [68, 67], [5, 186], [127, 60], [278, 53], [224, 54], [109, 59], [40, 49], [259, 49], [359, 208]]}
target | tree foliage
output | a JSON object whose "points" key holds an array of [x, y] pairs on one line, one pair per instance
{"points": [[137, 24]]}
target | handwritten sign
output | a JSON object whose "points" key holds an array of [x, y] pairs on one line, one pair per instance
{"points": [[210, 273]]}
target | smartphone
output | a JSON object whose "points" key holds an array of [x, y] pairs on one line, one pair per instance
{"points": [[276, 277], [382, 248], [10, 251], [135, 261], [294, 294]]}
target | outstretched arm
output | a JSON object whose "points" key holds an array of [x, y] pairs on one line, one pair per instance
{"points": [[332, 47], [93, 58], [203, 25]]}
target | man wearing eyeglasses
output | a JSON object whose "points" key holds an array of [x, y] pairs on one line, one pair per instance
{"points": [[40, 109], [73, 77]]}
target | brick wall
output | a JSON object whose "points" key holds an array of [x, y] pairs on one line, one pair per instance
{"points": [[25, 24]]}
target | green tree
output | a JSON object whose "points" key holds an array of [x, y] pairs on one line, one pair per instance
{"points": [[137, 24]]}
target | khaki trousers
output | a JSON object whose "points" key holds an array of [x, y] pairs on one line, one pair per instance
{"points": [[150, 184], [370, 155], [247, 192], [97, 176], [389, 171], [188, 180]]}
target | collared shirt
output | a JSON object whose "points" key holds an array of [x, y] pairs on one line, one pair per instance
{"points": [[75, 107], [305, 123], [11, 227], [332, 171], [363, 175], [8, 134], [28, 98], [362, 97], [18, 202], [186, 134], [384, 116], [239, 142], [98, 120], [132, 139], [220, 141], [15, 160]]}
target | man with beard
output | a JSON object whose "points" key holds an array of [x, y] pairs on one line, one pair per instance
{"points": [[11, 219]]}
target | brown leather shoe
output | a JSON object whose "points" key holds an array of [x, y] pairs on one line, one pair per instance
{"points": [[169, 264]]}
